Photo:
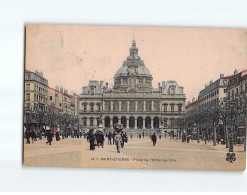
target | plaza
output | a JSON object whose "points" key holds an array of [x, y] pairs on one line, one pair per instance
{"points": [[137, 153]]}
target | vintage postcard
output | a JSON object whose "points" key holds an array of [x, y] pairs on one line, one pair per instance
{"points": [[135, 97]]}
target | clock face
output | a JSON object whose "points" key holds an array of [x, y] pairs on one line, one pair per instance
{"points": [[132, 70]]}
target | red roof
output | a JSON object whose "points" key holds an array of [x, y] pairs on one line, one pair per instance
{"points": [[191, 104], [68, 95], [54, 107], [228, 77], [28, 71]]}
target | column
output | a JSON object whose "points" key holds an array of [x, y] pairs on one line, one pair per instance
{"points": [[88, 122], [103, 122], [135, 125], [111, 123], [127, 123], [152, 123], [143, 123], [95, 121]]}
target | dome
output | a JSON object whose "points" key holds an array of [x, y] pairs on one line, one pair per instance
{"points": [[141, 70]]}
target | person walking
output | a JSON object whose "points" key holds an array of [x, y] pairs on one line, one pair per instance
{"points": [[143, 134], [49, 138], [118, 138], [27, 134], [109, 138], [154, 139], [91, 139], [118, 141], [113, 137]]}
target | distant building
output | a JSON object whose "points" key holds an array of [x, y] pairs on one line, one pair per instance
{"points": [[237, 83], [214, 92], [60, 100], [132, 101]]}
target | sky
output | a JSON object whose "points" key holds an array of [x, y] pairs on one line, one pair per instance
{"points": [[71, 55]]}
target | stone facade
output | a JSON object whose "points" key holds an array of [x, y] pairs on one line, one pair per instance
{"points": [[132, 101]]}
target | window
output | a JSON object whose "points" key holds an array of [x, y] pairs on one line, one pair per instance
{"points": [[124, 106], [85, 107], [115, 106], [84, 121], [107, 106], [148, 106], [179, 108], [156, 106], [172, 90], [28, 96], [172, 107], [91, 121], [165, 122], [165, 107], [34, 97], [98, 107], [50, 97], [27, 87], [132, 106], [140, 106], [224, 91], [140, 80], [172, 121], [91, 107]]}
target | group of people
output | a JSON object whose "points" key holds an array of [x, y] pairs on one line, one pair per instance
{"points": [[32, 135], [111, 138], [97, 139]]}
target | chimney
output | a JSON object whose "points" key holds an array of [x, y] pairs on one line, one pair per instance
{"points": [[211, 82], [65, 91], [235, 71], [101, 84], [193, 99], [57, 88], [61, 89], [159, 85], [106, 85], [221, 76]]}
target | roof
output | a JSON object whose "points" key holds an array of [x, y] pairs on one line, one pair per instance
{"points": [[28, 71], [68, 95], [142, 70], [55, 108], [191, 104], [228, 77]]}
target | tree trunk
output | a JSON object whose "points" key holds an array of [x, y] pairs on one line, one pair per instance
{"points": [[198, 135], [226, 136], [214, 126]]}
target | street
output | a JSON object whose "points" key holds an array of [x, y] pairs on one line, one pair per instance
{"points": [[137, 153]]}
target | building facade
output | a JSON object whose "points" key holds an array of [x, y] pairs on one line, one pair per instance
{"points": [[36, 91], [132, 101], [60, 100]]}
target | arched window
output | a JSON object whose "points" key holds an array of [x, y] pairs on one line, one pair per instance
{"points": [[132, 106], [148, 106], [108, 106], [115, 106], [140, 106], [156, 106], [124, 106], [84, 121], [91, 121]]}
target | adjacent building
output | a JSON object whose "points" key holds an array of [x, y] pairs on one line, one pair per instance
{"points": [[36, 91]]}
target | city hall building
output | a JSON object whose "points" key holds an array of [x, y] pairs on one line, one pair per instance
{"points": [[132, 101]]}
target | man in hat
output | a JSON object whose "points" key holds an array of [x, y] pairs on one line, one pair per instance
{"points": [[118, 138], [91, 139], [109, 138], [154, 139]]}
